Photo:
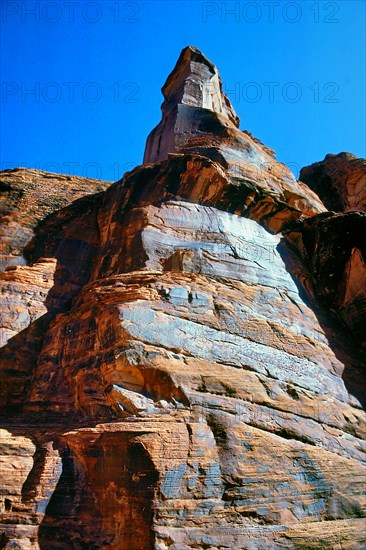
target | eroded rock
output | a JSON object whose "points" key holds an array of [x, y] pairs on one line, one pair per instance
{"points": [[176, 372], [339, 180]]}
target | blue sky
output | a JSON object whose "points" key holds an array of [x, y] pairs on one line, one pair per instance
{"points": [[81, 80]]}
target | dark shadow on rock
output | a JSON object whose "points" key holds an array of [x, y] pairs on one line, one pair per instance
{"points": [[104, 496], [72, 518], [101, 491], [70, 235], [18, 360], [76, 514], [339, 337]]}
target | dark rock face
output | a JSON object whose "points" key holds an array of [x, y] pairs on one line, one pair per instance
{"points": [[339, 180], [49, 236], [175, 372], [30, 197], [333, 247]]}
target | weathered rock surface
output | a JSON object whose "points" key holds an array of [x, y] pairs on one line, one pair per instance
{"points": [[29, 197], [175, 375], [49, 236], [198, 118], [333, 247], [339, 180]]}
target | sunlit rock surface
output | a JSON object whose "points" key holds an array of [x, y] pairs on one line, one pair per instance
{"points": [[176, 373], [197, 117]]}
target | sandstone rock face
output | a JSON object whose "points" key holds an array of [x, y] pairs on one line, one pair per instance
{"points": [[177, 373], [334, 249], [198, 118], [29, 197], [339, 180], [49, 236], [194, 84]]}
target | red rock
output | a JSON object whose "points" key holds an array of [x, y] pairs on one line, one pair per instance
{"points": [[333, 248], [339, 180], [198, 118], [177, 375], [30, 196]]}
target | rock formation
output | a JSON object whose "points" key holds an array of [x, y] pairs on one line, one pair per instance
{"points": [[339, 180], [183, 354]]}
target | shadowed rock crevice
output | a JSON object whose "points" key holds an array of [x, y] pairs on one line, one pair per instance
{"points": [[314, 282], [59, 258], [333, 248], [339, 180], [71, 517], [104, 496]]}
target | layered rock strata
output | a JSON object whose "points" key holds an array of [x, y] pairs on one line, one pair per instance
{"points": [[178, 373], [198, 118]]}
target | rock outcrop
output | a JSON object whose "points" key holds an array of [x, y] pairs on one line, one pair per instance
{"points": [[183, 354], [199, 119], [339, 180], [29, 198], [334, 249], [49, 237]]}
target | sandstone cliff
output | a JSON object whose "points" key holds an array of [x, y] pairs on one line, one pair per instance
{"points": [[183, 357]]}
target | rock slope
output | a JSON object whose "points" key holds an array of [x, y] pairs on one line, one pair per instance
{"points": [[183, 356]]}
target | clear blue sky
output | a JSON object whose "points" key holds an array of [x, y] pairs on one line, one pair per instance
{"points": [[295, 73]]}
